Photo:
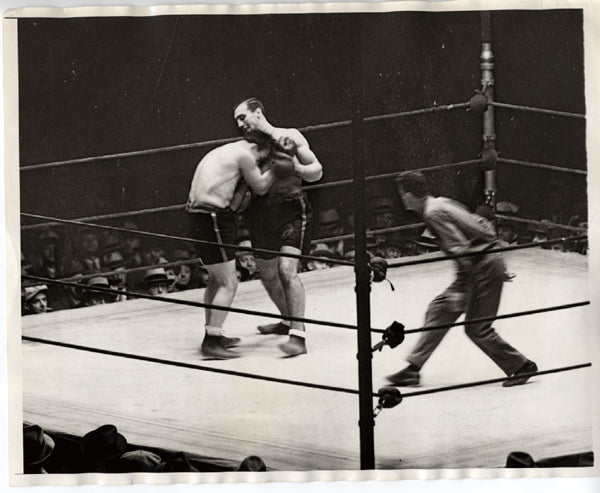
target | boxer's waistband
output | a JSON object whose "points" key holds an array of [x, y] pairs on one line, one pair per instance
{"points": [[207, 209]]}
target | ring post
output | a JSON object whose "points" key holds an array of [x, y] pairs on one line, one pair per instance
{"points": [[487, 84], [361, 269]]}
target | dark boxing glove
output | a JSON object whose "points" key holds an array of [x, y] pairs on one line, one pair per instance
{"points": [[286, 145], [379, 268], [283, 165]]}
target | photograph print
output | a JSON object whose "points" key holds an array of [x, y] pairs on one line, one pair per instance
{"points": [[299, 241]]}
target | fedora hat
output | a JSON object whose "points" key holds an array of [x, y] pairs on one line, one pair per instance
{"points": [[329, 217], [37, 445], [104, 443], [519, 460], [252, 463], [155, 274], [30, 292], [139, 461], [99, 281], [176, 462], [114, 259]]}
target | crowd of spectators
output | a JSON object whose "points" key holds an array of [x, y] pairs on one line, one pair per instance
{"points": [[106, 450], [101, 258]]}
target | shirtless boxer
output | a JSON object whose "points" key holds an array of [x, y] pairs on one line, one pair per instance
{"points": [[281, 220], [220, 190]]}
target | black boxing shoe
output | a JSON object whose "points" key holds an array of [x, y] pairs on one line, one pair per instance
{"points": [[213, 348], [295, 346], [230, 341], [278, 328], [521, 375], [407, 377]]}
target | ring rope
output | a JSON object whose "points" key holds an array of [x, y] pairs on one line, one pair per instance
{"points": [[535, 110], [543, 166], [316, 258], [340, 325], [550, 224], [176, 207], [369, 232], [184, 239], [497, 317], [197, 304], [508, 248], [432, 109], [494, 380], [195, 145], [189, 365], [286, 381], [131, 270]]}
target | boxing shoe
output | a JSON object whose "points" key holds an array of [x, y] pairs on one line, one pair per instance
{"points": [[230, 341], [278, 328], [294, 346], [213, 348], [526, 370], [407, 377]]}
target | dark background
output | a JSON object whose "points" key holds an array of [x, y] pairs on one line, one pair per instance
{"points": [[93, 86]]}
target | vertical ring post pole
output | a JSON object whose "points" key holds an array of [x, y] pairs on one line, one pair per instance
{"points": [[361, 269], [487, 84]]}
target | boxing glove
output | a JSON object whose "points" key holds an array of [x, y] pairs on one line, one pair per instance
{"points": [[379, 268], [283, 165], [287, 145]]}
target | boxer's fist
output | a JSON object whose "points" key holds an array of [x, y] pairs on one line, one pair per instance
{"points": [[283, 165]]}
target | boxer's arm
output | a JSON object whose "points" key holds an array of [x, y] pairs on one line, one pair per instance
{"points": [[257, 181], [308, 168]]}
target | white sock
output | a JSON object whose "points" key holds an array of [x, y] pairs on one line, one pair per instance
{"points": [[298, 333], [213, 331]]}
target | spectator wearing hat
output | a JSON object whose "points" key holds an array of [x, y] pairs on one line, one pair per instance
{"points": [[156, 281], [426, 243], [330, 225], [539, 232], [320, 250], [93, 298], [383, 216], [88, 248], [102, 449], [184, 272], [176, 462], [71, 296], [37, 449], [252, 463], [47, 263], [47, 246], [507, 230], [245, 260], [132, 245], [138, 461], [34, 299], [114, 261]]}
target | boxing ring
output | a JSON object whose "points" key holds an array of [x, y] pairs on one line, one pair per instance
{"points": [[294, 428], [137, 364]]}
